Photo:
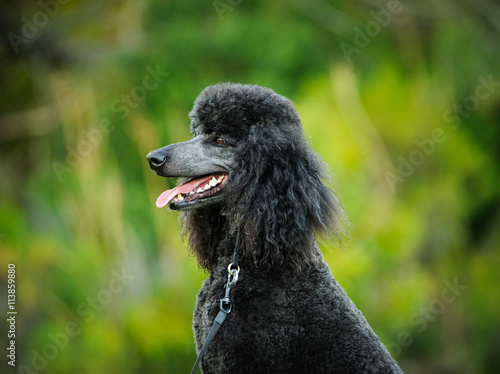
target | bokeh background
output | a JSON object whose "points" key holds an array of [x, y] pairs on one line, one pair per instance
{"points": [[400, 98]]}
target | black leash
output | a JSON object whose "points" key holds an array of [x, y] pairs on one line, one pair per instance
{"points": [[225, 303]]}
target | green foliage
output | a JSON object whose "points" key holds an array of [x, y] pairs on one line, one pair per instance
{"points": [[412, 142]]}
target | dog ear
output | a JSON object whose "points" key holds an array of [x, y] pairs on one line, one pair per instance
{"points": [[277, 197]]}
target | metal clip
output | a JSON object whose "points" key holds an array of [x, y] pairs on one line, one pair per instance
{"points": [[225, 305], [232, 278], [225, 302], [233, 275]]}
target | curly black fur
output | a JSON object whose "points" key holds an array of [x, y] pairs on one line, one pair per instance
{"points": [[289, 313], [275, 193]]}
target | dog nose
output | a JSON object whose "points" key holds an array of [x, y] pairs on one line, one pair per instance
{"points": [[156, 159]]}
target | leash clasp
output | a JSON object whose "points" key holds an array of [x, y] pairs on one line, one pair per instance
{"points": [[233, 274], [225, 305], [232, 278]]}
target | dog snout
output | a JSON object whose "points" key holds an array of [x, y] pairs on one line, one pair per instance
{"points": [[156, 159]]}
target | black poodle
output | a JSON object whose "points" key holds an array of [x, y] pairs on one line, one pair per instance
{"points": [[254, 195]]}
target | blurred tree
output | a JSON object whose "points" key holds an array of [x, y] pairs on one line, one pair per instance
{"points": [[418, 99]]}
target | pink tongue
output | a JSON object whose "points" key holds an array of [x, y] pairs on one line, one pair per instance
{"points": [[183, 188]]}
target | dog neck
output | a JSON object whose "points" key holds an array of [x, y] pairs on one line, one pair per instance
{"points": [[210, 235], [212, 239]]}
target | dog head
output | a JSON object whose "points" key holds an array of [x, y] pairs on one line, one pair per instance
{"points": [[223, 118], [249, 159]]}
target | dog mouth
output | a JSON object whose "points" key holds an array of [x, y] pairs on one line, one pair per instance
{"points": [[192, 190]]}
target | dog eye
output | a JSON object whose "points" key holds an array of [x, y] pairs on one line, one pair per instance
{"points": [[219, 140]]}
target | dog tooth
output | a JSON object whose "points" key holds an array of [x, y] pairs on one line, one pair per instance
{"points": [[199, 190], [179, 196], [192, 193], [212, 182], [207, 186]]}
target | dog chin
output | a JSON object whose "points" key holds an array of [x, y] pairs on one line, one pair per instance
{"points": [[199, 203]]}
